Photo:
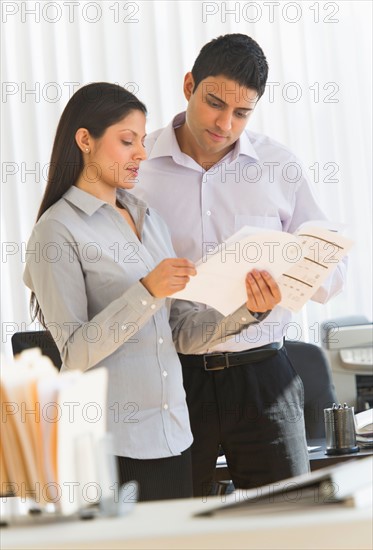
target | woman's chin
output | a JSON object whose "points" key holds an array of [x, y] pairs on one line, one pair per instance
{"points": [[128, 184]]}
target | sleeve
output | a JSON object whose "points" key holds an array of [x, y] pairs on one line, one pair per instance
{"points": [[54, 273], [195, 330]]}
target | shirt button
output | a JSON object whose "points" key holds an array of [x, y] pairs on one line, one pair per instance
{"points": [[124, 327], [208, 213], [243, 319], [144, 302], [160, 340], [152, 306], [165, 373], [165, 406]]}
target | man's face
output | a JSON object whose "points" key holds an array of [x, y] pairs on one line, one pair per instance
{"points": [[217, 112]]}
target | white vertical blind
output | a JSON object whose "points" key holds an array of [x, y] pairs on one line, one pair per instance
{"points": [[320, 80]]}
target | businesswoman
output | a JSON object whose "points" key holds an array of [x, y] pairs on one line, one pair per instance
{"points": [[105, 267]]}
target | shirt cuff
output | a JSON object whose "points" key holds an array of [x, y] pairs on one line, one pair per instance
{"points": [[260, 316], [140, 299]]}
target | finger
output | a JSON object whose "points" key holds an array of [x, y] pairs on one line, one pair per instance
{"points": [[184, 274], [177, 263], [263, 300], [182, 262], [251, 302], [256, 300], [175, 287], [179, 266], [269, 289], [176, 280], [272, 285], [267, 285], [260, 282], [184, 271]]}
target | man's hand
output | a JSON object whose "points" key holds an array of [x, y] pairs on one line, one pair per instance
{"points": [[263, 293], [170, 276]]}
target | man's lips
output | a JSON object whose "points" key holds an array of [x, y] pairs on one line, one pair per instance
{"points": [[216, 137]]}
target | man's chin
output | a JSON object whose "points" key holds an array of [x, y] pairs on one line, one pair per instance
{"points": [[216, 148]]}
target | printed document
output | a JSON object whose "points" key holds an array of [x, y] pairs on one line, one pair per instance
{"points": [[300, 263]]}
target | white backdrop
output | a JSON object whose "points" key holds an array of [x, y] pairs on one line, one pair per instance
{"points": [[317, 102]]}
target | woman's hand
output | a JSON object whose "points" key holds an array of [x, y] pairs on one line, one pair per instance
{"points": [[170, 276], [263, 293]]}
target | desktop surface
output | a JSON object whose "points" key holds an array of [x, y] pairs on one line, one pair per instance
{"points": [[170, 524]]}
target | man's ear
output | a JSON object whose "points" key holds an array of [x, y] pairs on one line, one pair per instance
{"points": [[83, 140], [188, 85]]}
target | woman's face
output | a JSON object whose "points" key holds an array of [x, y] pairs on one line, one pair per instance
{"points": [[114, 158]]}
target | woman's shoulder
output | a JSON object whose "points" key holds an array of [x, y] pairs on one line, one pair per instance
{"points": [[54, 221]]}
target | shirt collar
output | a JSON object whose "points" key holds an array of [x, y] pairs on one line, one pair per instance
{"points": [[243, 146], [167, 145], [89, 204]]}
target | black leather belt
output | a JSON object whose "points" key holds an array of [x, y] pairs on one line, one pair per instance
{"points": [[220, 361]]}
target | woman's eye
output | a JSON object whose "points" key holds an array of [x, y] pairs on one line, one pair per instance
{"points": [[126, 142]]}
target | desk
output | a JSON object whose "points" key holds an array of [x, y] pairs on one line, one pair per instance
{"points": [[169, 524], [318, 459]]}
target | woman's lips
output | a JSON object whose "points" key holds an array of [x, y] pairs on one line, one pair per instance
{"points": [[135, 171]]}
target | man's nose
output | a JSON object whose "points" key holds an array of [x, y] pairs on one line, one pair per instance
{"points": [[224, 121]]}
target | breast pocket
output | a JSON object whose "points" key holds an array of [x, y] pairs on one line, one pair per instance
{"points": [[267, 222]]}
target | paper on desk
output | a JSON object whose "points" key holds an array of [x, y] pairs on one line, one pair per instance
{"points": [[364, 422], [300, 264]]}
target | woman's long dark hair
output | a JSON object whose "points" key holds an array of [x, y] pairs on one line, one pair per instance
{"points": [[94, 107]]}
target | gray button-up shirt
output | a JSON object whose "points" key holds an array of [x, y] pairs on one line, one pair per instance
{"points": [[84, 264]]}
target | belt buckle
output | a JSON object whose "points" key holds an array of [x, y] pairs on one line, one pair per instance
{"points": [[205, 366]]}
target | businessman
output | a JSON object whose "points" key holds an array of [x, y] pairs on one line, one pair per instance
{"points": [[208, 176]]}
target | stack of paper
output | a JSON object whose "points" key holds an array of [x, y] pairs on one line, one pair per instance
{"points": [[45, 417], [364, 428], [300, 263]]}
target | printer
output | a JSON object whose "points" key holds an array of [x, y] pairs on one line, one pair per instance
{"points": [[348, 343]]}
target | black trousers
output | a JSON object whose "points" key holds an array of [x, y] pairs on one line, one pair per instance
{"points": [[159, 478], [255, 412]]}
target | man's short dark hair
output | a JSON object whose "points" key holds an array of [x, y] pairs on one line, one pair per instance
{"points": [[235, 56]]}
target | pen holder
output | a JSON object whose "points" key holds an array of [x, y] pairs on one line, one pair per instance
{"points": [[340, 430]]}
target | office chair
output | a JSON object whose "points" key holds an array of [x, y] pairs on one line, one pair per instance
{"points": [[312, 365], [37, 339]]}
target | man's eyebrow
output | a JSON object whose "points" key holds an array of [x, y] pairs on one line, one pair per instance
{"points": [[224, 103]]}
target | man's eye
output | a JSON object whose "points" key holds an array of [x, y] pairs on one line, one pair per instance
{"points": [[214, 104], [242, 114]]}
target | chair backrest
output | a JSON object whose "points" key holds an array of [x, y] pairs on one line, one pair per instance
{"points": [[37, 339], [313, 367]]}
